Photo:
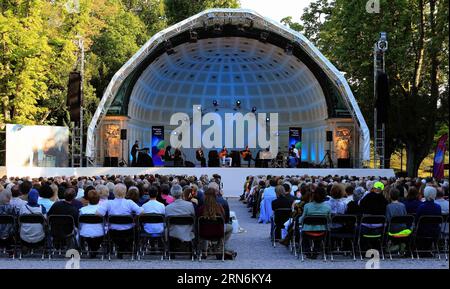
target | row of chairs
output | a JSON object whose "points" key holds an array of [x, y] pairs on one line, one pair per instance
{"points": [[60, 230], [352, 229]]}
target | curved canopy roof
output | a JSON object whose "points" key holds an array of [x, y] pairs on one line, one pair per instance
{"points": [[226, 55]]}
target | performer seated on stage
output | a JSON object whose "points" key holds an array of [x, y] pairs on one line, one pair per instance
{"points": [[247, 155], [279, 159], [178, 158], [134, 151], [266, 157], [224, 156], [200, 156], [168, 154], [294, 153]]}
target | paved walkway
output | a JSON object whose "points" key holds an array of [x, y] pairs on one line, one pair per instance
{"points": [[254, 252]]}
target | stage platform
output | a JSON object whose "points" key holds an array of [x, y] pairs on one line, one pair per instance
{"points": [[233, 178]]}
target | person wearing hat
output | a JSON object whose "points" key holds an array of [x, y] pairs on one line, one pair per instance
{"points": [[374, 203], [32, 233]]}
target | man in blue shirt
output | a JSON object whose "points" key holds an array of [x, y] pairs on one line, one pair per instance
{"points": [[268, 196]]}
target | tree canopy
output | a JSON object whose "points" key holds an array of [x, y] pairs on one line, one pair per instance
{"points": [[416, 63], [39, 46]]}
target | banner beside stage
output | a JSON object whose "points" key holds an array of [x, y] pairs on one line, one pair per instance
{"points": [[158, 145], [37, 146], [439, 156], [295, 138]]}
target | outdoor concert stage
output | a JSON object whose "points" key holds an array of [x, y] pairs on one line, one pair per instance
{"points": [[229, 61], [232, 178]]}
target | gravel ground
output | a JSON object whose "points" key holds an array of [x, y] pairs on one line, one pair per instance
{"points": [[254, 252]]}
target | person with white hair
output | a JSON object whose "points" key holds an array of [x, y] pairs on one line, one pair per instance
{"points": [[110, 186], [180, 207], [103, 193], [428, 208], [120, 206]]}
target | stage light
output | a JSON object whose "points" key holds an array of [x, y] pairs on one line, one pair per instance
{"points": [[199, 107], [254, 109], [289, 49], [169, 47], [263, 36], [193, 36], [215, 103], [238, 103], [267, 119], [382, 44]]}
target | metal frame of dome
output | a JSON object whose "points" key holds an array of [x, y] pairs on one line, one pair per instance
{"points": [[128, 74]]}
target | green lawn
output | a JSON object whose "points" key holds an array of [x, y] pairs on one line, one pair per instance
{"points": [[426, 168]]}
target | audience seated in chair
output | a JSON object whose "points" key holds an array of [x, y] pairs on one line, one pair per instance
{"points": [[92, 233], [265, 212], [180, 207], [32, 233], [120, 206], [154, 207], [7, 231]]}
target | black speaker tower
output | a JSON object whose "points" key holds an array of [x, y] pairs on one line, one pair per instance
{"points": [[382, 101], [74, 96]]}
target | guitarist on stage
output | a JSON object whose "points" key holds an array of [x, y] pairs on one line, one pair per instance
{"points": [[224, 156], [247, 155]]}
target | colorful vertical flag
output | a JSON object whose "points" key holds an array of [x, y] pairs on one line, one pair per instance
{"points": [[439, 156]]}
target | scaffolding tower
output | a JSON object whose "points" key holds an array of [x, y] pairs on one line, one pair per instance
{"points": [[76, 145], [77, 127], [379, 127]]}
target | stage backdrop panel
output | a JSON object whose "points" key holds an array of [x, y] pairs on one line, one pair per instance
{"points": [[37, 146]]}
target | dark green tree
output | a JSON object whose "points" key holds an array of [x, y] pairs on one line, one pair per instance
{"points": [[178, 10], [417, 62]]}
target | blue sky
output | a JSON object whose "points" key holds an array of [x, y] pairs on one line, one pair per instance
{"points": [[277, 9]]}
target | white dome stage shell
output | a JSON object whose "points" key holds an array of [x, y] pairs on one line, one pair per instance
{"points": [[228, 55]]}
